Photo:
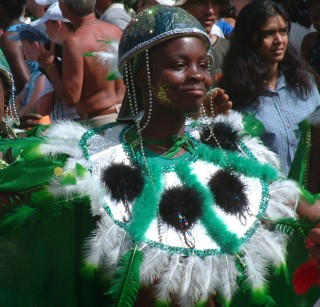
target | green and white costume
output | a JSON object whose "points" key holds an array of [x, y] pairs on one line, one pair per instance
{"points": [[225, 247]]}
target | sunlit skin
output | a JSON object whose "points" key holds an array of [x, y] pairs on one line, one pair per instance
{"points": [[184, 71], [204, 10], [179, 67], [51, 30], [30, 50]]}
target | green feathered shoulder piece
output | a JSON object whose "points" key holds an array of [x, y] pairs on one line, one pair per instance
{"points": [[25, 183]]}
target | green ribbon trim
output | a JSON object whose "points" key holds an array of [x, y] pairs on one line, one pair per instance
{"points": [[145, 208], [176, 142], [244, 165]]}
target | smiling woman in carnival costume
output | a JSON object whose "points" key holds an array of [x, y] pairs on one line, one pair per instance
{"points": [[184, 209]]}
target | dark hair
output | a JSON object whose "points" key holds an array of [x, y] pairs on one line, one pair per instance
{"points": [[245, 73], [311, 3], [297, 10], [14, 8]]}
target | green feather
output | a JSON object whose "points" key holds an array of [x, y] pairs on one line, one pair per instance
{"points": [[69, 179], [252, 126], [308, 196], [89, 270], [261, 297], [88, 54], [292, 227], [80, 170], [283, 268], [202, 304], [126, 282], [22, 175], [18, 216], [159, 303], [41, 205], [17, 145], [112, 76], [36, 131]]}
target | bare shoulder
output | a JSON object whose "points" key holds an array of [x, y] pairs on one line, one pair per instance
{"points": [[109, 30]]}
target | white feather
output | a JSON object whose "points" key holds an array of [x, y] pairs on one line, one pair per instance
{"points": [[153, 265], [261, 152], [256, 266], [227, 276], [197, 288], [170, 281], [278, 210], [105, 244], [314, 117], [66, 129], [271, 244], [109, 58]]}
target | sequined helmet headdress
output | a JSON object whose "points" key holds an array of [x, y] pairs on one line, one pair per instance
{"points": [[149, 28], [155, 25]]}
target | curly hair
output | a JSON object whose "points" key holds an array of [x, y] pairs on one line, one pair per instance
{"points": [[246, 74]]}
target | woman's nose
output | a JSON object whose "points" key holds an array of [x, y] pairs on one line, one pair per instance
{"points": [[196, 74]]}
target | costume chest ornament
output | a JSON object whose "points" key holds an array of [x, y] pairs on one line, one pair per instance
{"points": [[185, 220]]}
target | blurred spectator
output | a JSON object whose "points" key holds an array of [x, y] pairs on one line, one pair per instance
{"points": [[239, 5], [10, 13], [310, 48], [207, 12], [267, 79], [82, 83], [227, 20], [58, 30], [300, 21], [32, 43], [113, 11]]}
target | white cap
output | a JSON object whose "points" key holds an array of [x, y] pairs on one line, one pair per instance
{"points": [[180, 2], [166, 2], [52, 13], [46, 2]]}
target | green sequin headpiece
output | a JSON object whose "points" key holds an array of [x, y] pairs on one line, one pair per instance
{"points": [[155, 25]]}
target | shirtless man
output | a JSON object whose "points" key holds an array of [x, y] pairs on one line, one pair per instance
{"points": [[83, 83]]}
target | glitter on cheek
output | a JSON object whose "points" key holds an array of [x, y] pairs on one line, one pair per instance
{"points": [[162, 93]]}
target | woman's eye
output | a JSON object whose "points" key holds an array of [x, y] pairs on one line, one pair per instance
{"points": [[180, 65], [203, 66]]}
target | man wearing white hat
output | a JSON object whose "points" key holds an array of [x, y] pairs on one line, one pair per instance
{"points": [[83, 83], [46, 2], [113, 11], [58, 29]]}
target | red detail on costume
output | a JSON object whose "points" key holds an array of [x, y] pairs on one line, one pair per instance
{"points": [[306, 276]]}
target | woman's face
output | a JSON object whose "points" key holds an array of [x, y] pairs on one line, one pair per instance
{"points": [[180, 76], [275, 38]]}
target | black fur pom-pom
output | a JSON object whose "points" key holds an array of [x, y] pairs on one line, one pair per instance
{"points": [[229, 192], [180, 199], [121, 180], [225, 134]]}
